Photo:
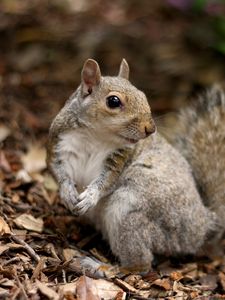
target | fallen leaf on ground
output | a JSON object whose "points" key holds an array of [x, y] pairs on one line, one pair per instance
{"points": [[93, 289], [4, 164], [47, 291], [35, 159], [4, 227], [28, 222], [3, 248], [49, 183], [86, 289], [4, 132], [164, 283], [69, 253]]}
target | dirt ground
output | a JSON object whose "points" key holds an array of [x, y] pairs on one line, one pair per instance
{"points": [[173, 54]]}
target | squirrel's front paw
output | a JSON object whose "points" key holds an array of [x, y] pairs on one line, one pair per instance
{"points": [[69, 195], [86, 200]]}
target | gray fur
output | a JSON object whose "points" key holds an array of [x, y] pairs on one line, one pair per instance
{"points": [[144, 200]]}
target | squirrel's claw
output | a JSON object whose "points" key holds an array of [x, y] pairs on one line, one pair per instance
{"points": [[69, 195], [86, 200]]}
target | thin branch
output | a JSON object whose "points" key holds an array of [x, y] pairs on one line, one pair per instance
{"points": [[28, 248]]}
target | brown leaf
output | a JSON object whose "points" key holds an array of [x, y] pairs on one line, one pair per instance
{"points": [[86, 290], [93, 289], [107, 290], [28, 222], [3, 248], [125, 286], [47, 291], [35, 159], [4, 293], [39, 268], [164, 283], [176, 276], [98, 255], [49, 183], [69, 253], [4, 227], [4, 132], [68, 288], [4, 164]]}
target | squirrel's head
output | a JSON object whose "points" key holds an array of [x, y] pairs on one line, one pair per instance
{"points": [[114, 108]]}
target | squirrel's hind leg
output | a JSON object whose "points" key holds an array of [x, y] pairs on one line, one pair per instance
{"points": [[132, 241]]}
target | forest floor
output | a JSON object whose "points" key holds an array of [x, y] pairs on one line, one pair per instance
{"points": [[42, 50]]}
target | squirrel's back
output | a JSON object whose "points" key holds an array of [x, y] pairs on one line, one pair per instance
{"points": [[200, 137]]}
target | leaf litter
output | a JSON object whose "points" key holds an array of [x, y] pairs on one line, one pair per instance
{"points": [[40, 241]]}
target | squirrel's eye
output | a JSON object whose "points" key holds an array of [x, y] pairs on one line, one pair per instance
{"points": [[113, 101]]}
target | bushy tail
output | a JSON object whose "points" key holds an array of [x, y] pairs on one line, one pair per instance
{"points": [[200, 137]]}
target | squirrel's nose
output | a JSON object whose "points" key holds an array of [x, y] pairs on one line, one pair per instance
{"points": [[149, 129]]}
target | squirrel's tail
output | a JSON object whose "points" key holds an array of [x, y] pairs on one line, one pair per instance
{"points": [[200, 138]]}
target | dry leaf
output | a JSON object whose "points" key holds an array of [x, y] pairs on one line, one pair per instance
{"points": [[68, 288], [98, 255], [49, 183], [107, 290], [69, 253], [35, 159], [177, 276], [4, 164], [125, 286], [5, 282], [164, 283], [93, 289], [3, 293], [86, 290], [28, 222], [3, 248], [4, 132], [39, 268], [4, 227], [47, 291]]}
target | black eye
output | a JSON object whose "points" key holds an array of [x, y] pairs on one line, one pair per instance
{"points": [[113, 101]]}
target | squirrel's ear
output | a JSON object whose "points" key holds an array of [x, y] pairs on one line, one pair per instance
{"points": [[90, 76], [124, 69]]}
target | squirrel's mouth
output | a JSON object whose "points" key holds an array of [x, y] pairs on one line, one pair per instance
{"points": [[129, 140]]}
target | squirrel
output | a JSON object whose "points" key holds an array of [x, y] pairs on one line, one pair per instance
{"points": [[145, 195]]}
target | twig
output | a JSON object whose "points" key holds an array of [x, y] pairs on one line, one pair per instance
{"points": [[28, 248], [21, 288], [64, 276], [12, 260]]}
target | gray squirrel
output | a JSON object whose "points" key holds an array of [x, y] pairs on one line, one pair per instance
{"points": [[115, 171]]}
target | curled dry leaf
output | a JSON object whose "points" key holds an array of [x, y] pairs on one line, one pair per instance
{"points": [[28, 222], [47, 291], [4, 227], [93, 289], [86, 290], [164, 283], [35, 159]]}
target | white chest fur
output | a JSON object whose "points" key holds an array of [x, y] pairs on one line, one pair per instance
{"points": [[83, 156]]}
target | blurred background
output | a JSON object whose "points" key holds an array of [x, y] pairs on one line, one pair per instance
{"points": [[174, 48]]}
